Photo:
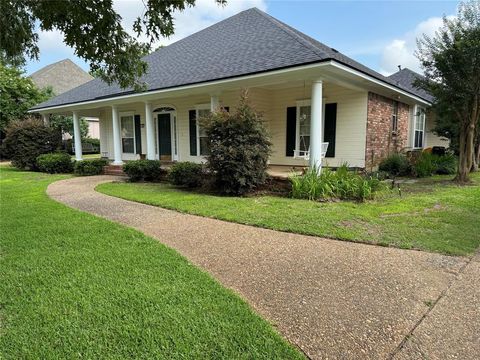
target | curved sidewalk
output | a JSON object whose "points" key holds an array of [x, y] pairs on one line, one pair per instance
{"points": [[333, 299]]}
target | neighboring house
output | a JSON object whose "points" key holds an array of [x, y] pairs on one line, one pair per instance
{"points": [[63, 76], [309, 93]]}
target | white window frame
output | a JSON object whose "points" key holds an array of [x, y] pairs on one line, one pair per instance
{"points": [[396, 104], [125, 114], [419, 111], [300, 104], [198, 108]]}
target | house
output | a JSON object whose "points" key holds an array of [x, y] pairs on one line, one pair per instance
{"points": [[63, 76], [309, 94]]}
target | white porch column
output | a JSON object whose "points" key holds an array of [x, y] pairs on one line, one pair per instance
{"points": [[77, 136], [316, 135], [150, 131], [46, 119], [117, 143], [214, 103]]}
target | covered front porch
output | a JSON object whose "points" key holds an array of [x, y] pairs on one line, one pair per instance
{"points": [[301, 109]]}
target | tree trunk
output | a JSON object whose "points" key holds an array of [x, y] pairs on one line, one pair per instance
{"points": [[477, 156], [467, 135], [475, 159]]}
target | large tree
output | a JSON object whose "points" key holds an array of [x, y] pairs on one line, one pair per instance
{"points": [[93, 28], [18, 93], [451, 63]]}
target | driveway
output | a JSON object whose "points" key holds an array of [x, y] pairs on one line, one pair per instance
{"points": [[333, 299]]}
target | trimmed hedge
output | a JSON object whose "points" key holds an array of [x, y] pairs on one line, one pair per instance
{"points": [[90, 167], [186, 174], [55, 163], [143, 170]]}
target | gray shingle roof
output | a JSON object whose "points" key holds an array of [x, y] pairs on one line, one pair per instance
{"points": [[247, 43], [62, 76], [406, 78]]}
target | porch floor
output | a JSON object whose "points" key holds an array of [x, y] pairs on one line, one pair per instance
{"points": [[284, 171]]}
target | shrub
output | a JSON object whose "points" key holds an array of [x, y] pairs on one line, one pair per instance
{"points": [[187, 174], [238, 149], [27, 139], [446, 164], [90, 167], [341, 184], [55, 163], [424, 165], [395, 165], [147, 170], [428, 164]]}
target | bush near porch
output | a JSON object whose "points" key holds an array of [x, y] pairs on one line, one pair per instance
{"points": [[143, 170], [238, 149], [28, 138], [90, 167], [420, 164]]}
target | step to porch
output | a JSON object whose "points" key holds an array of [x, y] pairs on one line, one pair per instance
{"points": [[116, 170]]}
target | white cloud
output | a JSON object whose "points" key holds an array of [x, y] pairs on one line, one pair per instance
{"points": [[191, 20], [401, 51], [202, 15]]}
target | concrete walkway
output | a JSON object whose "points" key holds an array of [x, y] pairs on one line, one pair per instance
{"points": [[333, 299]]}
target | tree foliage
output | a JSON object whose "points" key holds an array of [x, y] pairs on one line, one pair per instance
{"points": [[65, 125], [451, 63], [17, 94], [27, 139], [93, 28]]}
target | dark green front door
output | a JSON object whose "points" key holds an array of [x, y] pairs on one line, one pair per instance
{"points": [[164, 137]]}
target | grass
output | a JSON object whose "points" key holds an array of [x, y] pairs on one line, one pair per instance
{"points": [[89, 156], [73, 285], [432, 214]]}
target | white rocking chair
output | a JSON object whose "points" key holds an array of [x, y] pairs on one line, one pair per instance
{"points": [[305, 154]]}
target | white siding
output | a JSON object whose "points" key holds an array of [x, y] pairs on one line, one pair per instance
{"points": [[351, 121], [351, 124]]}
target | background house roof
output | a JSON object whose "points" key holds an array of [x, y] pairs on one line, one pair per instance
{"points": [[406, 79], [247, 43], [62, 76]]}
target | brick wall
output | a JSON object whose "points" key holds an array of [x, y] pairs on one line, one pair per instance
{"points": [[380, 140]]}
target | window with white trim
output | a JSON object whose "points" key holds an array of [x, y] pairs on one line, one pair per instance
{"points": [[419, 128], [304, 112], [395, 116], [202, 140], [127, 131]]}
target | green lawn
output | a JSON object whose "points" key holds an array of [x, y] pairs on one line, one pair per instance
{"points": [[432, 215], [89, 156], [76, 286]]}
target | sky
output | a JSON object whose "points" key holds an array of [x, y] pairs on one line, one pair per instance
{"points": [[379, 34]]}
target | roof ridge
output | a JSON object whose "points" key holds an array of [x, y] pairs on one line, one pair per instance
{"points": [[289, 31]]}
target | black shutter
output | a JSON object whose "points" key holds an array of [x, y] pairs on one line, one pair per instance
{"points": [[330, 129], [291, 130], [192, 121], [138, 135]]}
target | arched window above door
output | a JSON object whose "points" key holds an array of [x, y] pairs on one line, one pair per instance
{"points": [[164, 109]]}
